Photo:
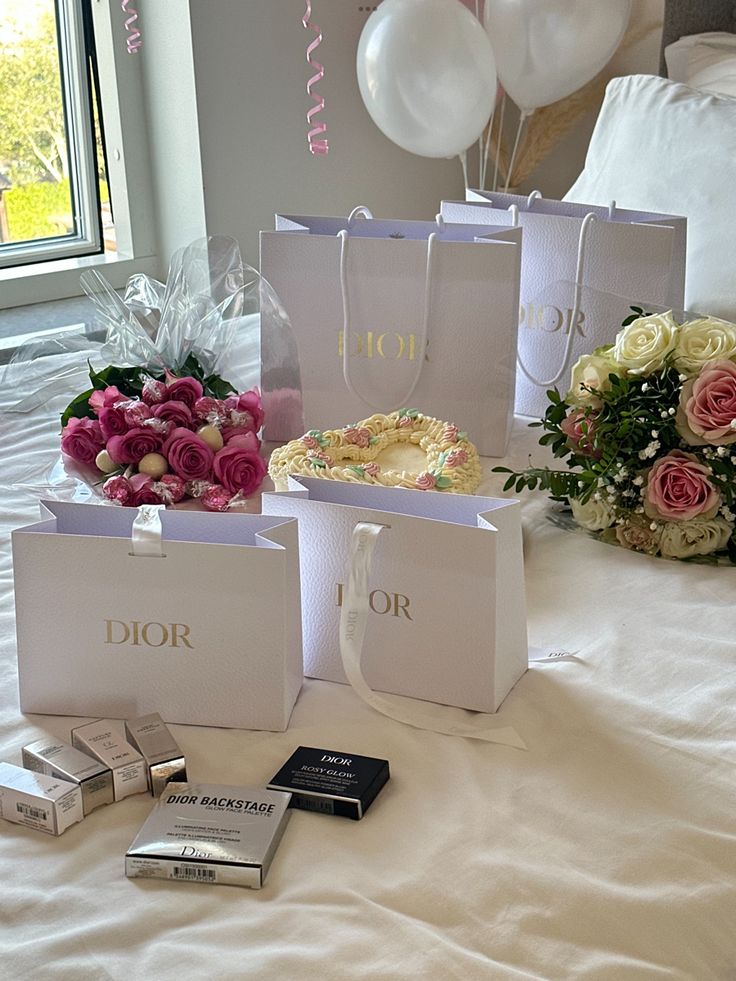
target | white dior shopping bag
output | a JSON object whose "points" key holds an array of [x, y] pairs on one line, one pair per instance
{"points": [[389, 314], [445, 613], [622, 257], [122, 612]]}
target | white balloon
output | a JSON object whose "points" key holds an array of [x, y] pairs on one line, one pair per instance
{"points": [[548, 49], [427, 75]]}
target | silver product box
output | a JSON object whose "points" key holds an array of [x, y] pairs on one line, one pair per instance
{"points": [[37, 801], [153, 740], [102, 740], [58, 759], [210, 833]]}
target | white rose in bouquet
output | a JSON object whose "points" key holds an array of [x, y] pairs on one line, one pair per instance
{"points": [[643, 345], [699, 536], [703, 340], [590, 371], [593, 515]]}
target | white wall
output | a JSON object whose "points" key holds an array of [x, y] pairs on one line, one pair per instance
{"points": [[249, 62], [173, 134]]}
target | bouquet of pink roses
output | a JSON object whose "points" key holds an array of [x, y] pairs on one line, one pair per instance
{"points": [[162, 440], [160, 423], [648, 435]]}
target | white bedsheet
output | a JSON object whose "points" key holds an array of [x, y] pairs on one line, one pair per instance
{"points": [[607, 851]]}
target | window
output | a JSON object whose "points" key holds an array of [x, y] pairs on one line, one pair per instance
{"points": [[52, 201]]}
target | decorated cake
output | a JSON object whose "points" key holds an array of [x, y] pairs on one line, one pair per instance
{"points": [[401, 449]]}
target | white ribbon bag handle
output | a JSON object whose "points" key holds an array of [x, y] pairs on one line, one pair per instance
{"points": [[145, 536], [579, 270], [353, 622], [424, 330]]}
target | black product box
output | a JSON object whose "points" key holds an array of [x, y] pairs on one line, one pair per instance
{"points": [[331, 782]]}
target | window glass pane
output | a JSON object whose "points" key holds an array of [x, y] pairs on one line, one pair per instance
{"points": [[35, 194]]}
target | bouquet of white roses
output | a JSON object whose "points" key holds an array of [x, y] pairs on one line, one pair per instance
{"points": [[648, 435]]}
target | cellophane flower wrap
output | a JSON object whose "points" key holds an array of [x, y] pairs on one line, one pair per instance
{"points": [[172, 410], [647, 433]]}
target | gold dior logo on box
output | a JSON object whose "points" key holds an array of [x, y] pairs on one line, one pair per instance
{"points": [[151, 634], [389, 345], [550, 318], [381, 602]]}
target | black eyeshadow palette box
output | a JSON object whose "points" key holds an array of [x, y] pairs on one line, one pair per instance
{"points": [[331, 782]]}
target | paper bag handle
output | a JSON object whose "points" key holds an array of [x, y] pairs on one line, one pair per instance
{"points": [[353, 622], [579, 270], [424, 330], [360, 212], [145, 536]]}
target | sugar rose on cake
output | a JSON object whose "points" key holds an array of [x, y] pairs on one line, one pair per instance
{"points": [[647, 435]]}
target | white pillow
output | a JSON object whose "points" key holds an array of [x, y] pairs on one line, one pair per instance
{"points": [[659, 146], [704, 61]]}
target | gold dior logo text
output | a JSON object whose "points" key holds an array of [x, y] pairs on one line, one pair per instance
{"points": [[550, 319], [389, 345], [381, 602], [151, 634]]}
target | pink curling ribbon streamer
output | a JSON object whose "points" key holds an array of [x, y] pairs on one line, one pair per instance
{"points": [[134, 38], [316, 146]]}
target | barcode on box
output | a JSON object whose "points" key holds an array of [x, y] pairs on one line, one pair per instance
{"points": [[199, 875], [316, 804], [32, 812]]}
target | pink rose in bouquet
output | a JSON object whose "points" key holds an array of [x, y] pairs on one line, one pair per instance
{"points": [[133, 445], [678, 489], [239, 470], [232, 432], [245, 440], [186, 390], [105, 398], [707, 409], [174, 411], [580, 431], [82, 440], [113, 422], [188, 455], [143, 492], [249, 402]]}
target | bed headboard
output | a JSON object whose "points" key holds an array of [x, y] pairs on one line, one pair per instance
{"points": [[683, 17]]}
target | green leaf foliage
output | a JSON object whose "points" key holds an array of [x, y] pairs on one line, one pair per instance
{"points": [[130, 381]]}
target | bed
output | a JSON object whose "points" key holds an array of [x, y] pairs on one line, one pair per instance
{"points": [[604, 852]]}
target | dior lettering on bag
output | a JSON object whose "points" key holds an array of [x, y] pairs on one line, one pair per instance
{"points": [[582, 269], [389, 314]]}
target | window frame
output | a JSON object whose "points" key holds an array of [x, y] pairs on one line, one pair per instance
{"points": [[121, 101]]}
